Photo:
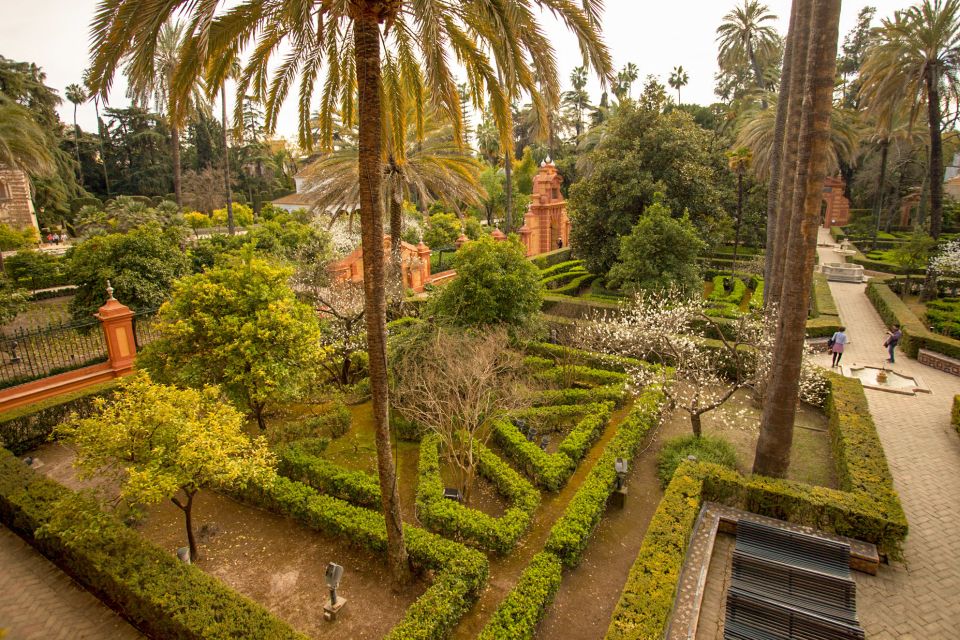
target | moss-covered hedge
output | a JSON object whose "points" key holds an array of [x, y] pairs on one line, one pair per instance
{"points": [[915, 335], [356, 487], [27, 427], [454, 520], [866, 507], [459, 573], [160, 595]]}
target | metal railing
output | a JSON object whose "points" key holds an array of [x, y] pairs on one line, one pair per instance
{"points": [[145, 328], [31, 354]]}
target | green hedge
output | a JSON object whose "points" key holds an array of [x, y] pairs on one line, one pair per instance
{"points": [[454, 520], [955, 414], [866, 507], [159, 594], [823, 303], [551, 258], [356, 487], [560, 278], [579, 374], [719, 293], [883, 267], [570, 534], [519, 613], [568, 355], [570, 307], [459, 572], [573, 287], [551, 470], [27, 427], [614, 393], [646, 602], [560, 267], [838, 234], [915, 335]]}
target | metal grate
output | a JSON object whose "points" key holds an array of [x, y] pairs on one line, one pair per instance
{"points": [[789, 585], [145, 328], [31, 354]]}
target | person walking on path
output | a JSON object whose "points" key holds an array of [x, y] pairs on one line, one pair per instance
{"points": [[893, 339], [836, 344]]}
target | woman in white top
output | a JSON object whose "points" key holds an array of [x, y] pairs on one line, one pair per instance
{"points": [[838, 341]]}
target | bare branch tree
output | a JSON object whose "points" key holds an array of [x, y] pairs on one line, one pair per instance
{"points": [[456, 383]]}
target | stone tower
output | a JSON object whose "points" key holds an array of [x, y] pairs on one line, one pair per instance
{"points": [[546, 219]]}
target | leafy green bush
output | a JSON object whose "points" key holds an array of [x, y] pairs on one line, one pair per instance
{"points": [[452, 519], [159, 594], [300, 462], [27, 427], [704, 448]]}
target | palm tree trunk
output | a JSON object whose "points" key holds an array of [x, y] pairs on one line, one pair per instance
{"points": [[936, 171], [103, 150], [76, 143], [736, 235], [757, 74], [226, 158], [788, 161], [508, 188], [366, 35], [780, 405], [396, 227], [881, 179], [175, 150], [773, 193]]}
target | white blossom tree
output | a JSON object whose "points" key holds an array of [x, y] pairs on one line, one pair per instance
{"points": [[340, 305], [709, 361], [947, 262]]}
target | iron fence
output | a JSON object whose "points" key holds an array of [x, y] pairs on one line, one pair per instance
{"points": [[145, 328], [31, 354]]}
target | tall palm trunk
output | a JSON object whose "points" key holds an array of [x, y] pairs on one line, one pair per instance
{"points": [[76, 142], [788, 161], [757, 75], [780, 403], [175, 150], [396, 227], [103, 150], [736, 235], [936, 170], [366, 36], [508, 188], [881, 179], [226, 158], [773, 193]]}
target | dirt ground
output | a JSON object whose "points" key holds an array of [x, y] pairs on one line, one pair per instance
{"points": [[270, 559]]}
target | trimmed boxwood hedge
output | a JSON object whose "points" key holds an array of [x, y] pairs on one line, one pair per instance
{"points": [[452, 519], [545, 260], [160, 595], [519, 613], [356, 487], [27, 427], [823, 303], [915, 335], [576, 373], [866, 507], [608, 393], [459, 572], [955, 414], [551, 470], [569, 355]]}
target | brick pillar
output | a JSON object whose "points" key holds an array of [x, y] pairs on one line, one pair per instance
{"points": [[423, 252], [117, 322]]}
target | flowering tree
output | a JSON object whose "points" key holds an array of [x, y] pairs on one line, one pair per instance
{"points": [[947, 262], [705, 371], [340, 306]]}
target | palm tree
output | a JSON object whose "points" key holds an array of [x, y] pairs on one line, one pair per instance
{"points": [[744, 38], [77, 96], [577, 99], [101, 133], [432, 167], [623, 84], [915, 56], [23, 143], [678, 78], [351, 43], [812, 78], [739, 161], [152, 81]]}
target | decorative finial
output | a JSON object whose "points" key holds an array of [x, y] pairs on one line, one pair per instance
{"points": [[110, 291], [543, 163], [548, 160]]}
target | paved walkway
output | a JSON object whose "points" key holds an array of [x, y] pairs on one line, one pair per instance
{"points": [[40, 602], [917, 599]]}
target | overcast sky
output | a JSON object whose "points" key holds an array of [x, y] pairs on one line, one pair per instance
{"points": [[656, 36]]}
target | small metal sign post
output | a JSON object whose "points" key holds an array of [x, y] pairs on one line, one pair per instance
{"points": [[333, 575]]}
